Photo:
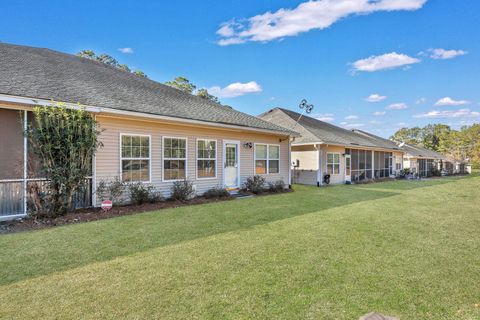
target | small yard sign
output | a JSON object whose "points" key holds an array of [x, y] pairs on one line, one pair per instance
{"points": [[106, 205]]}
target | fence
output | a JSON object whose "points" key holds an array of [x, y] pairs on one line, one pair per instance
{"points": [[12, 193]]}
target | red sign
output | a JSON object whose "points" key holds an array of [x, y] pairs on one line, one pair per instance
{"points": [[106, 205]]}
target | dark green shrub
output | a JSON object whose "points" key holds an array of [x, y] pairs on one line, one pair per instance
{"points": [[255, 184], [216, 192], [182, 190], [141, 193], [277, 186], [64, 140]]}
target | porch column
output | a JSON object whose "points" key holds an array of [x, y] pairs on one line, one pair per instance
{"points": [[320, 165], [25, 161], [373, 164]]}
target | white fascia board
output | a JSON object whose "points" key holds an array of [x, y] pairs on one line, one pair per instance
{"points": [[43, 102]]}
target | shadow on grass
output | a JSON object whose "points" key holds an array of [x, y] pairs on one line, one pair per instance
{"points": [[36, 253], [405, 185]]}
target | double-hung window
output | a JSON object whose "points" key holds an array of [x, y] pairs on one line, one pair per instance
{"points": [[135, 158], [267, 158], [333, 163], [174, 158], [206, 158]]}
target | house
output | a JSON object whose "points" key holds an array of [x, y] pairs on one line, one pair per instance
{"points": [[153, 133], [346, 155], [423, 161]]}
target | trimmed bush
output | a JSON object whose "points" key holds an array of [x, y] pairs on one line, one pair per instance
{"points": [[141, 193], [216, 192], [255, 184], [182, 190], [277, 186]]}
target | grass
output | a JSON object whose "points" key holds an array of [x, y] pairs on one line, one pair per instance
{"points": [[403, 248]]}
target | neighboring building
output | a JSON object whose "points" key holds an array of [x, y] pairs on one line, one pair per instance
{"points": [[347, 155], [423, 161], [152, 133]]}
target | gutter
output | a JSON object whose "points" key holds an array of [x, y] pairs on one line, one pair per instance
{"points": [[101, 110], [353, 146]]}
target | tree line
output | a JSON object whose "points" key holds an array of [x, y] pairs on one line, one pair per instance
{"points": [[180, 83], [462, 144]]}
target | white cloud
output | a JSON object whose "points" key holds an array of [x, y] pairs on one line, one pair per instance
{"points": [[306, 16], [379, 113], [447, 101], [384, 62], [375, 98], [401, 124], [374, 122], [442, 54], [235, 89], [421, 100], [354, 125], [351, 117], [126, 50], [461, 113], [397, 106], [326, 117]]}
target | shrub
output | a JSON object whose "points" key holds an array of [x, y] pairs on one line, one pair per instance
{"points": [[216, 192], [182, 190], [254, 184], [64, 140], [141, 193], [277, 186], [404, 172], [112, 190]]}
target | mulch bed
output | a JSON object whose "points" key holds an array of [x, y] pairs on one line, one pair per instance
{"points": [[93, 214]]}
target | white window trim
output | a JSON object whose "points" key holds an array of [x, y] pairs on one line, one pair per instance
{"points": [[197, 158], [163, 158], [149, 154], [267, 158], [339, 164]]}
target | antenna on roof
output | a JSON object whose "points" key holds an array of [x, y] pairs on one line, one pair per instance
{"points": [[306, 107]]}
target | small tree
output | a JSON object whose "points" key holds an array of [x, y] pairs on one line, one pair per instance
{"points": [[64, 140]]}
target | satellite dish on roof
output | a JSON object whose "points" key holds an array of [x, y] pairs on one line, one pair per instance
{"points": [[401, 144]]}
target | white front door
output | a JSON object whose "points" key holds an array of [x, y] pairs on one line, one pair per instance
{"points": [[231, 165], [348, 168]]}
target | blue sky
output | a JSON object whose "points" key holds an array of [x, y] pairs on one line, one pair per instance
{"points": [[421, 57]]}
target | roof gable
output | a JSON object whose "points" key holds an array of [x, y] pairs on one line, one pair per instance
{"points": [[316, 131]]}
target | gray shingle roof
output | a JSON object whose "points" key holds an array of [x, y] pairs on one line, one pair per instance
{"points": [[420, 152], [46, 74], [316, 131]]}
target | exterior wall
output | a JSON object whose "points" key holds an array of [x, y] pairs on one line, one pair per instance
{"points": [[398, 160], [334, 178], [107, 161]]}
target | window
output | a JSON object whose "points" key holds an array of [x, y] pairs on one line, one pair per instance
{"points": [[174, 158], [206, 159], [267, 158], [135, 158], [333, 163]]}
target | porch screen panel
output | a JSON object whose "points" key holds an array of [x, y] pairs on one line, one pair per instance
{"points": [[361, 164], [11, 144]]}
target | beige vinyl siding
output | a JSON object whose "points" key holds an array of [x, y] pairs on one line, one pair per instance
{"points": [[334, 178], [108, 157], [308, 160]]}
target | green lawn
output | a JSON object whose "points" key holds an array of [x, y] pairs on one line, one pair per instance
{"points": [[407, 249]]}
